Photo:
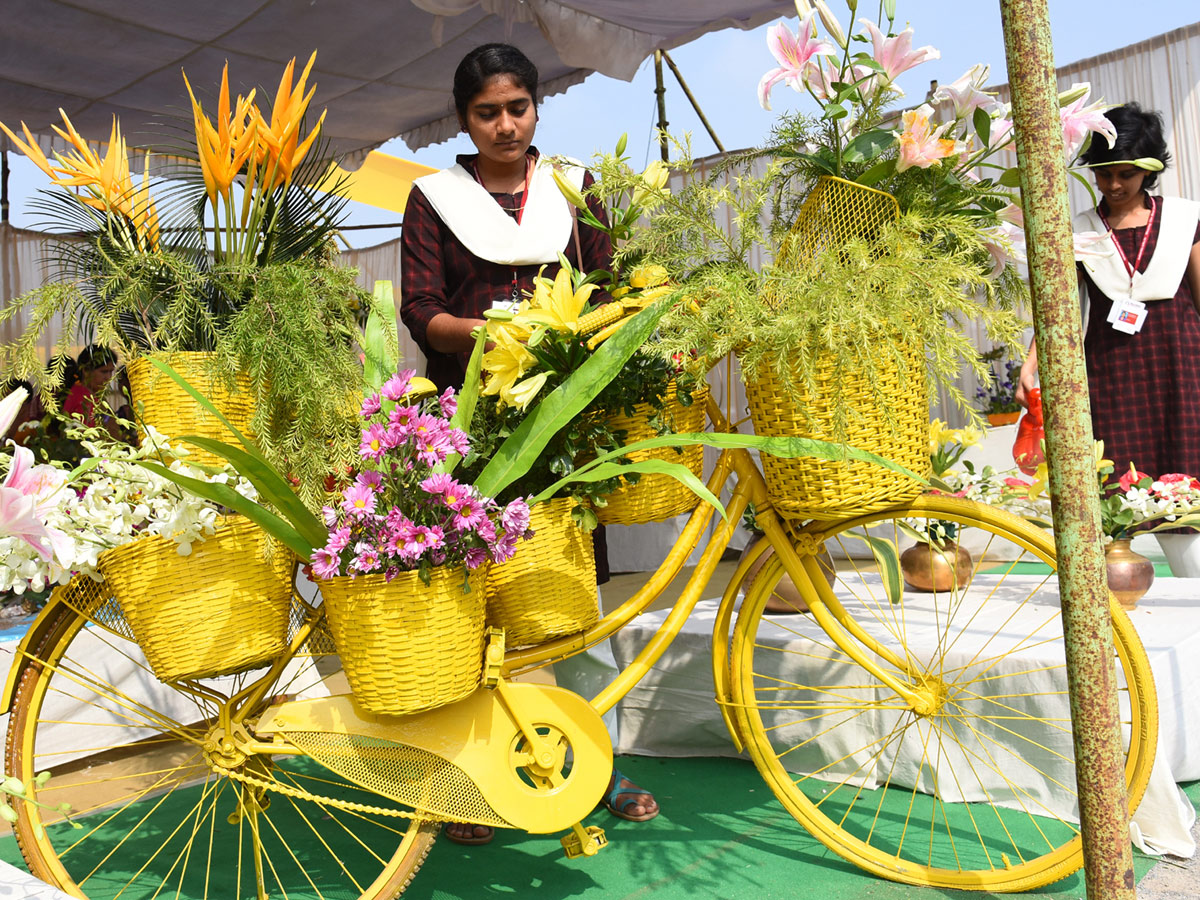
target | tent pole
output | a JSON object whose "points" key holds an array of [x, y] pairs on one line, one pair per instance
{"points": [[1087, 628], [3, 186], [696, 106], [661, 91]]}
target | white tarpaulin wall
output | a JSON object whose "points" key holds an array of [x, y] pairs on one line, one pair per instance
{"points": [[383, 68]]}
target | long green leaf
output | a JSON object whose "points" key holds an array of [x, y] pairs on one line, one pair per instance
{"points": [[678, 471], [888, 558], [270, 485], [379, 362], [228, 497], [522, 448]]}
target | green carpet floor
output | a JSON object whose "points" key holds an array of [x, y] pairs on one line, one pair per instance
{"points": [[721, 835]]}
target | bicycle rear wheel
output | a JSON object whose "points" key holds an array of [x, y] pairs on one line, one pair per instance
{"points": [[973, 787], [134, 758]]}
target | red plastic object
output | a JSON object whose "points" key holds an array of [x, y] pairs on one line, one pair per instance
{"points": [[1027, 448]]}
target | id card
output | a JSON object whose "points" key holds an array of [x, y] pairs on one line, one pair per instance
{"points": [[1127, 316], [507, 304]]}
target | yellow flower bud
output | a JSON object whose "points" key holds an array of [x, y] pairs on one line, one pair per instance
{"points": [[647, 276], [567, 187]]}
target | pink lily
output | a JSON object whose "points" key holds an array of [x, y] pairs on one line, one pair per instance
{"points": [[966, 92], [9, 407], [1078, 121], [18, 518], [793, 53], [895, 54], [921, 145]]}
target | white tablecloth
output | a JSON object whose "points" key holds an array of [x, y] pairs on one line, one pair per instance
{"points": [[672, 713]]}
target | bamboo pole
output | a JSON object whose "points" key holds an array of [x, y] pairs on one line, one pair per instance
{"points": [[687, 92], [661, 91], [1091, 671]]}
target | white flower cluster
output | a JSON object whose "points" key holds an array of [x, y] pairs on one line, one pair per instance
{"points": [[113, 502], [1168, 499], [992, 487]]}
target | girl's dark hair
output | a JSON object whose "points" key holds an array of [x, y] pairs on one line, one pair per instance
{"points": [[1139, 134], [484, 62], [94, 356]]}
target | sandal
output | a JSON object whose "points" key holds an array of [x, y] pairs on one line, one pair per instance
{"points": [[618, 809], [470, 838]]}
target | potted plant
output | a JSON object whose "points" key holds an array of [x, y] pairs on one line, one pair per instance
{"points": [[880, 231], [997, 398], [258, 292]]}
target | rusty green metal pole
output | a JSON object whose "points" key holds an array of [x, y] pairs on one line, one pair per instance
{"points": [[1091, 671]]}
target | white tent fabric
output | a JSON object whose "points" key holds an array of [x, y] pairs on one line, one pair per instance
{"points": [[383, 68]]}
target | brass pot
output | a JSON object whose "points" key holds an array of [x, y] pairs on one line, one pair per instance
{"points": [[1129, 573], [786, 597], [927, 568]]}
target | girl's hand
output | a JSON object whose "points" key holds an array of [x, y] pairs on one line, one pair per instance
{"points": [[1029, 378]]}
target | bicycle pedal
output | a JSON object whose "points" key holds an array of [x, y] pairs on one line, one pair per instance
{"points": [[584, 841]]}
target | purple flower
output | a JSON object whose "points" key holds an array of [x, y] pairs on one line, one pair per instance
{"points": [[370, 406], [394, 387], [486, 529], [338, 540], [366, 558], [329, 516], [515, 518], [505, 548], [459, 440], [375, 442], [359, 501], [448, 403], [373, 480], [476, 557], [324, 563], [438, 483], [468, 515], [391, 573]]}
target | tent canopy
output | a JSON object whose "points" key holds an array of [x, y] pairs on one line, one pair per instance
{"points": [[383, 67]]}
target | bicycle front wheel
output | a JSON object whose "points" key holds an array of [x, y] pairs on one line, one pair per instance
{"points": [[167, 806], [969, 782]]}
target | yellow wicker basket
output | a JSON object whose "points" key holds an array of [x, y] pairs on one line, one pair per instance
{"points": [[405, 646], [549, 588], [822, 489], [172, 410], [222, 609], [657, 497]]}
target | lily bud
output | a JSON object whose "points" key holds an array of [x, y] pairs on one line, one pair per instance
{"points": [[568, 189], [621, 142], [889, 9], [831, 23], [853, 4], [1076, 91], [803, 8]]}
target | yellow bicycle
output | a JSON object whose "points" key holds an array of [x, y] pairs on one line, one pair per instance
{"points": [[922, 737]]}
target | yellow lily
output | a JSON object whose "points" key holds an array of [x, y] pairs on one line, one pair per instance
{"points": [[939, 434], [568, 189], [505, 363], [654, 180], [970, 436], [522, 393], [647, 276], [279, 143], [555, 304], [1098, 454]]}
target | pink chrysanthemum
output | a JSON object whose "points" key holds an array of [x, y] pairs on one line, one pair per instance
{"points": [[329, 516], [476, 557], [375, 442], [373, 480], [394, 387], [403, 418], [468, 515], [366, 558], [358, 501], [432, 448], [339, 539], [515, 518], [370, 406], [438, 483], [505, 548], [324, 563], [448, 403]]}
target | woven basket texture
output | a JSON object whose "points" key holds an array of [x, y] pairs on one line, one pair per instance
{"points": [[222, 609], [172, 410], [405, 646], [823, 489], [549, 588], [657, 497]]}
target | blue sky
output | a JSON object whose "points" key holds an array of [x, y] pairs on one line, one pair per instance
{"points": [[723, 69]]}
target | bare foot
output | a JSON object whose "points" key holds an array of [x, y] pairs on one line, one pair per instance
{"points": [[626, 800], [470, 835]]}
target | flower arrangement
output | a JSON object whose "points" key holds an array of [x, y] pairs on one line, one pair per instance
{"points": [[55, 524], [999, 393], [259, 289], [404, 512]]}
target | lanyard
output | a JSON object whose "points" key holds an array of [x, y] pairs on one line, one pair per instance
{"points": [[1137, 264], [516, 292]]}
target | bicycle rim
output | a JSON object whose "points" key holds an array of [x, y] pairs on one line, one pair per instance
{"points": [[977, 789], [156, 819]]}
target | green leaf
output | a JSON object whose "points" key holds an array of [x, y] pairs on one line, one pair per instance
{"points": [[1011, 178], [379, 362], [226, 496], [983, 125], [887, 556], [468, 398], [834, 111], [604, 471], [867, 146], [877, 172], [521, 450], [272, 486]]}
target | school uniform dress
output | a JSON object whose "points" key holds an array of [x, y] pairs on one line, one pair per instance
{"points": [[1145, 387]]}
